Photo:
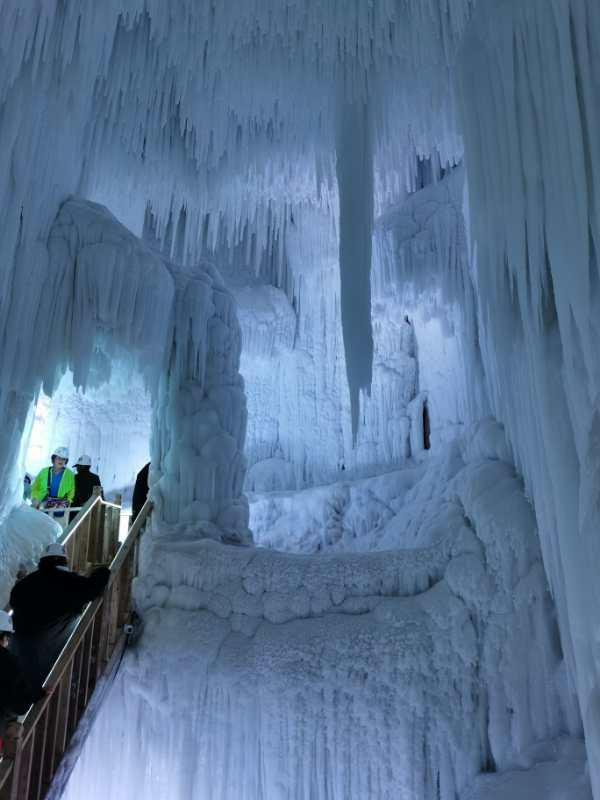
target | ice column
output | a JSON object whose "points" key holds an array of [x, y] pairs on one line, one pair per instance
{"points": [[200, 418]]}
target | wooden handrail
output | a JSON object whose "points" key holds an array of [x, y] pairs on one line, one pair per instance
{"points": [[33, 755], [86, 509], [92, 608], [130, 540]]}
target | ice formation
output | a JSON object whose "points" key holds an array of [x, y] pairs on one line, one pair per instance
{"points": [[126, 303], [355, 190], [299, 430], [111, 423], [394, 673], [384, 215], [530, 97]]}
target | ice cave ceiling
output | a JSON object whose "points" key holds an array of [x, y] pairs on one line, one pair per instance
{"points": [[240, 102]]}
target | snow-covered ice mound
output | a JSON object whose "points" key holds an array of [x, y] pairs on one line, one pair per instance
{"points": [[398, 673]]}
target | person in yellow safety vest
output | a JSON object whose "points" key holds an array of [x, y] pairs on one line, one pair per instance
{"points": [[54, 486]]}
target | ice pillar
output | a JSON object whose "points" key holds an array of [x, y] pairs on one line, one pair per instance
{"points": [[200, 418]]}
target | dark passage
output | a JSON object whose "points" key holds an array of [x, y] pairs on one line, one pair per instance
{"points": [[426, 428]]}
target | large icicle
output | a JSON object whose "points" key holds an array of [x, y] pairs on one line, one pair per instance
{"points": [[355, 186], [529, 79]]}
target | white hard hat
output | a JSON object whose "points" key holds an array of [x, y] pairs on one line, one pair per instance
{"points": [[84, 461], [6, 623], [61, 452], [55, 549]]}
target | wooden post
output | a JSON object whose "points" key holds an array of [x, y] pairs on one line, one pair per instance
{"points": [[97, 530], [113, 542]]}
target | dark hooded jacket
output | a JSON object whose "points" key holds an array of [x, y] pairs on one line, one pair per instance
{"points": [[84, 485], [50, 593], [16, 692], [140, 491]]}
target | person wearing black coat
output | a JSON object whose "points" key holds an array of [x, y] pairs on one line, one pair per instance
{"points": [[16, 692], [46, 604], [85, 480], [140, 491]]}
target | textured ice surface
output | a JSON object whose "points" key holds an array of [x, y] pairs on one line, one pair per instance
{"points": [[530, 97], [213, 127], [265, 674], [299, 415]]}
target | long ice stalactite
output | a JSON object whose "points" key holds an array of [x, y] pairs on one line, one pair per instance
{"points": [[355, 189]]}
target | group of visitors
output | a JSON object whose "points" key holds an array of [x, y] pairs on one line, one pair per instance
{"points": [[57, 486], [46, 605]]}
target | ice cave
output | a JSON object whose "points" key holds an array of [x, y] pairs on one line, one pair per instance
{"points": [[331, 267]]}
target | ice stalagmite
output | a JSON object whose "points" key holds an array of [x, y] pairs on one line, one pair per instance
{"points": [[199, 420]]}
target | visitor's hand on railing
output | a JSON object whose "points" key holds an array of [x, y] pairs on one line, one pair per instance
{"points": [[42, 693]]}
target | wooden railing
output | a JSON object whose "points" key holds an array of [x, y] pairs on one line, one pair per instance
{"points": [[93, 536], [34, 749]]}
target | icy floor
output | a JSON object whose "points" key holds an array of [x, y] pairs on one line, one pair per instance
{"points": [[561, 775], [397, 670]]}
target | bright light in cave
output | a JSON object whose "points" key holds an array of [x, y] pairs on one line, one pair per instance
{"points": [[109, 422], [333, 269]]}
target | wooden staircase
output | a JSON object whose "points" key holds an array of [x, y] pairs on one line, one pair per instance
{"points": [[34, 748]]}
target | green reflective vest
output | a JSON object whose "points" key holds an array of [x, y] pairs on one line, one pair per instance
{"points": [[66, 488]]}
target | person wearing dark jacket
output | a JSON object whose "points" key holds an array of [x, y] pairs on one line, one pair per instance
{"points": [[140, 491], [85, 480], [46, 604], [16, 692]]}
